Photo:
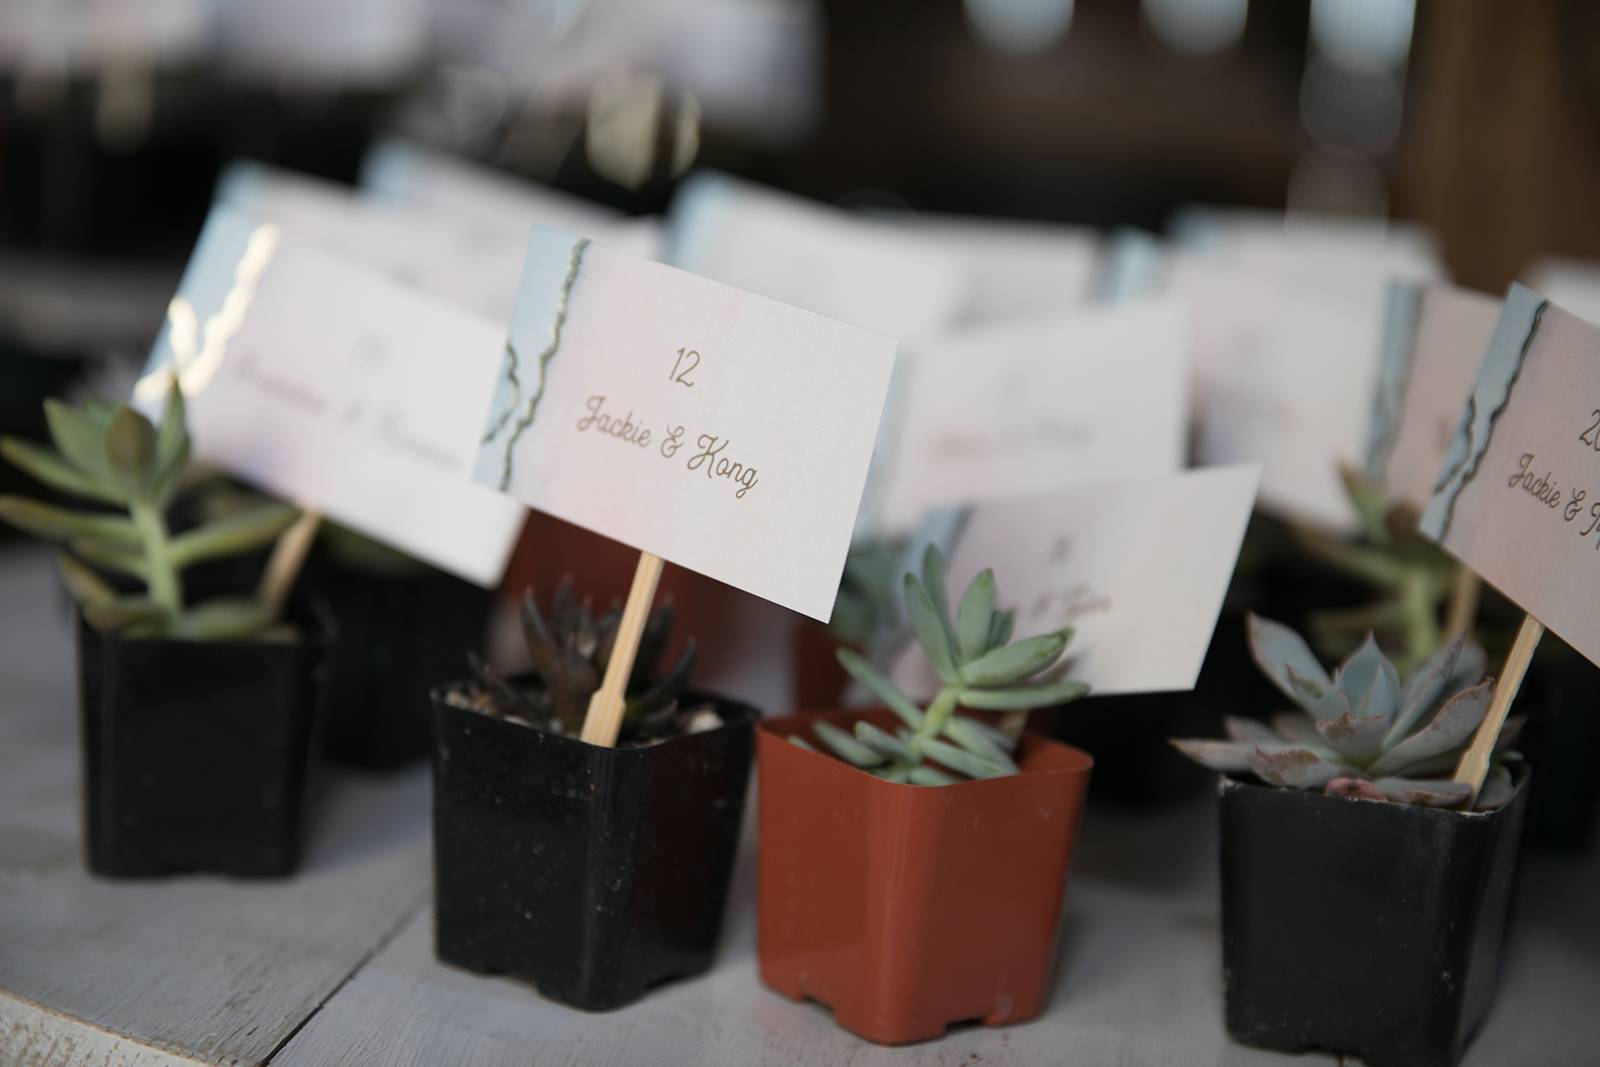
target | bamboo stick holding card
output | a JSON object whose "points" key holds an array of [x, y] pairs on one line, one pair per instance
{"points": [[288, 557], [606, 707], [1474, 765], [1462, 610]]}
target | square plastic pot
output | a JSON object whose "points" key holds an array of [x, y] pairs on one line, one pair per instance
{"points": [[908, 908], [593, 873], [196, 753], [399, 636], [1367, 928]]}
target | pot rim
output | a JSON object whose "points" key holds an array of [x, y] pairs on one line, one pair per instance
{"points": [[314, 628], [1521, 774], [1083, 762]]}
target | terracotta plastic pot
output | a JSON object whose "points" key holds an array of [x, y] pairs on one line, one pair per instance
{"points": [[594, 873], [399, 636], [1362, 927], [196, 752], [908, 908]]}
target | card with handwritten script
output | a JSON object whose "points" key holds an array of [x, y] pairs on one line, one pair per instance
{"points": [[722, 431], [1138, 568], [493, 203], [477, 267], [1032, 406], [347, 392], [1282, 377], [826, 260], [1518, 500], [1434, 340]]}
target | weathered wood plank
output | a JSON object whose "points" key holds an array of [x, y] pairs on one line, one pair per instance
{"points": [[200, 969]]}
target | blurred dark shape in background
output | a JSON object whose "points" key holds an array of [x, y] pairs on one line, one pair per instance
{"points": [[1473, 117]]}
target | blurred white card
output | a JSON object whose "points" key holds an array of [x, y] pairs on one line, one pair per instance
{"points": [[1015, 268], [856, 270], [1518, 499], [1573, 284], [1434, 342], [404, 175], [1032, 406], [1282, 377], [1138, 568], [342, 390], [473, 266], [722, 431]]}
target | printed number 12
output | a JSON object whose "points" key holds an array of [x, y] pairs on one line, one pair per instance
{"points": [[682, 376]]}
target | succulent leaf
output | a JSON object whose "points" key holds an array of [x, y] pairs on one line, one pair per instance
{"points": [[1239, 728], [965, 733], [1286, 660], [930, 630], [172, 442], [1382, 699], [1294, 768], [120, 612], [1355, 738], [1356, 675], [800, 742], [886, 745], [1354, 788], [48, 467], [85, 586], [1424, 688], [131, 453], [223, 618], [80, 437], [846, 747], [933, 584], [110, 555], [59, 524], [1023, 698], [1001, 628], [959, 759], [923, 775], [1435, 793], [1014, 663], [975, 617], [234, 535], [1451, 728], [885, 690]]}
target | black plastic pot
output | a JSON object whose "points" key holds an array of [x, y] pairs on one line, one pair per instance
{"points": [[399, 636], [594, 873], [196, 752], [1362, 927]]}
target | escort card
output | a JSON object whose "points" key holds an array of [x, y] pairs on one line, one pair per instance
{"points": [[346, 392], [1518, 500], [1033, 406], [1434, 341], [724, 432], [1137, 568], [405, 176], [815, 257], [475, 266], [1282, 377]]}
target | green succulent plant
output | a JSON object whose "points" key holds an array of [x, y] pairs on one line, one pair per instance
{"points": [[1362, 733], [113, 457], [978, 668], [864, 609], [569, 650], [1412, 576]]}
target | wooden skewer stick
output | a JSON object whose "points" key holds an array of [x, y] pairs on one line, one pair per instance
{"points": [[288, 556], [1474, 763], [604, 720], [1462, 611]]}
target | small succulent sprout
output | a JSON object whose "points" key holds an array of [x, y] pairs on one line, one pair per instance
{"points": [[114, 458], [978, 669], [1361, 733], [569, 648]]}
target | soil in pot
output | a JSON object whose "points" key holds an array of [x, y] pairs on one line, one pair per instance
{"points": [[593, 873], [196, 753], [1363, 927], [906, 909]]}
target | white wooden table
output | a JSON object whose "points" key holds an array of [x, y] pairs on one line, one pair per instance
{"points": [[335, 966]]}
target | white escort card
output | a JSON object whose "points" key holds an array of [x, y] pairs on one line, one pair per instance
{"points": [[719, 430], [1434, 342], [1518, 500], [406, 176], [474, 266], [1014, 268], [1032, 406], [825, 260], [1282, 377], [346, 392], [1137, 568]]}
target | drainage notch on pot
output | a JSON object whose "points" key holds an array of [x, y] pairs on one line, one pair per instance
{"points": [[196, 753], [1364, 927], [908, 908], [594, 873]]}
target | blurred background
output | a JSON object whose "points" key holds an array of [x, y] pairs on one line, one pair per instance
{"points": [[1474, 118]]}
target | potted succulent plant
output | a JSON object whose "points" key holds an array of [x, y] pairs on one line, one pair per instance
{"points": [[197, 719], [594, 873], [877, 893], [1364, 892]]}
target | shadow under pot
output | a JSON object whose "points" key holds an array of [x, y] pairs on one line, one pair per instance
{"points": [[908, 908], [399, 636], [196, 753], [593, 873], [1362, 927]]}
